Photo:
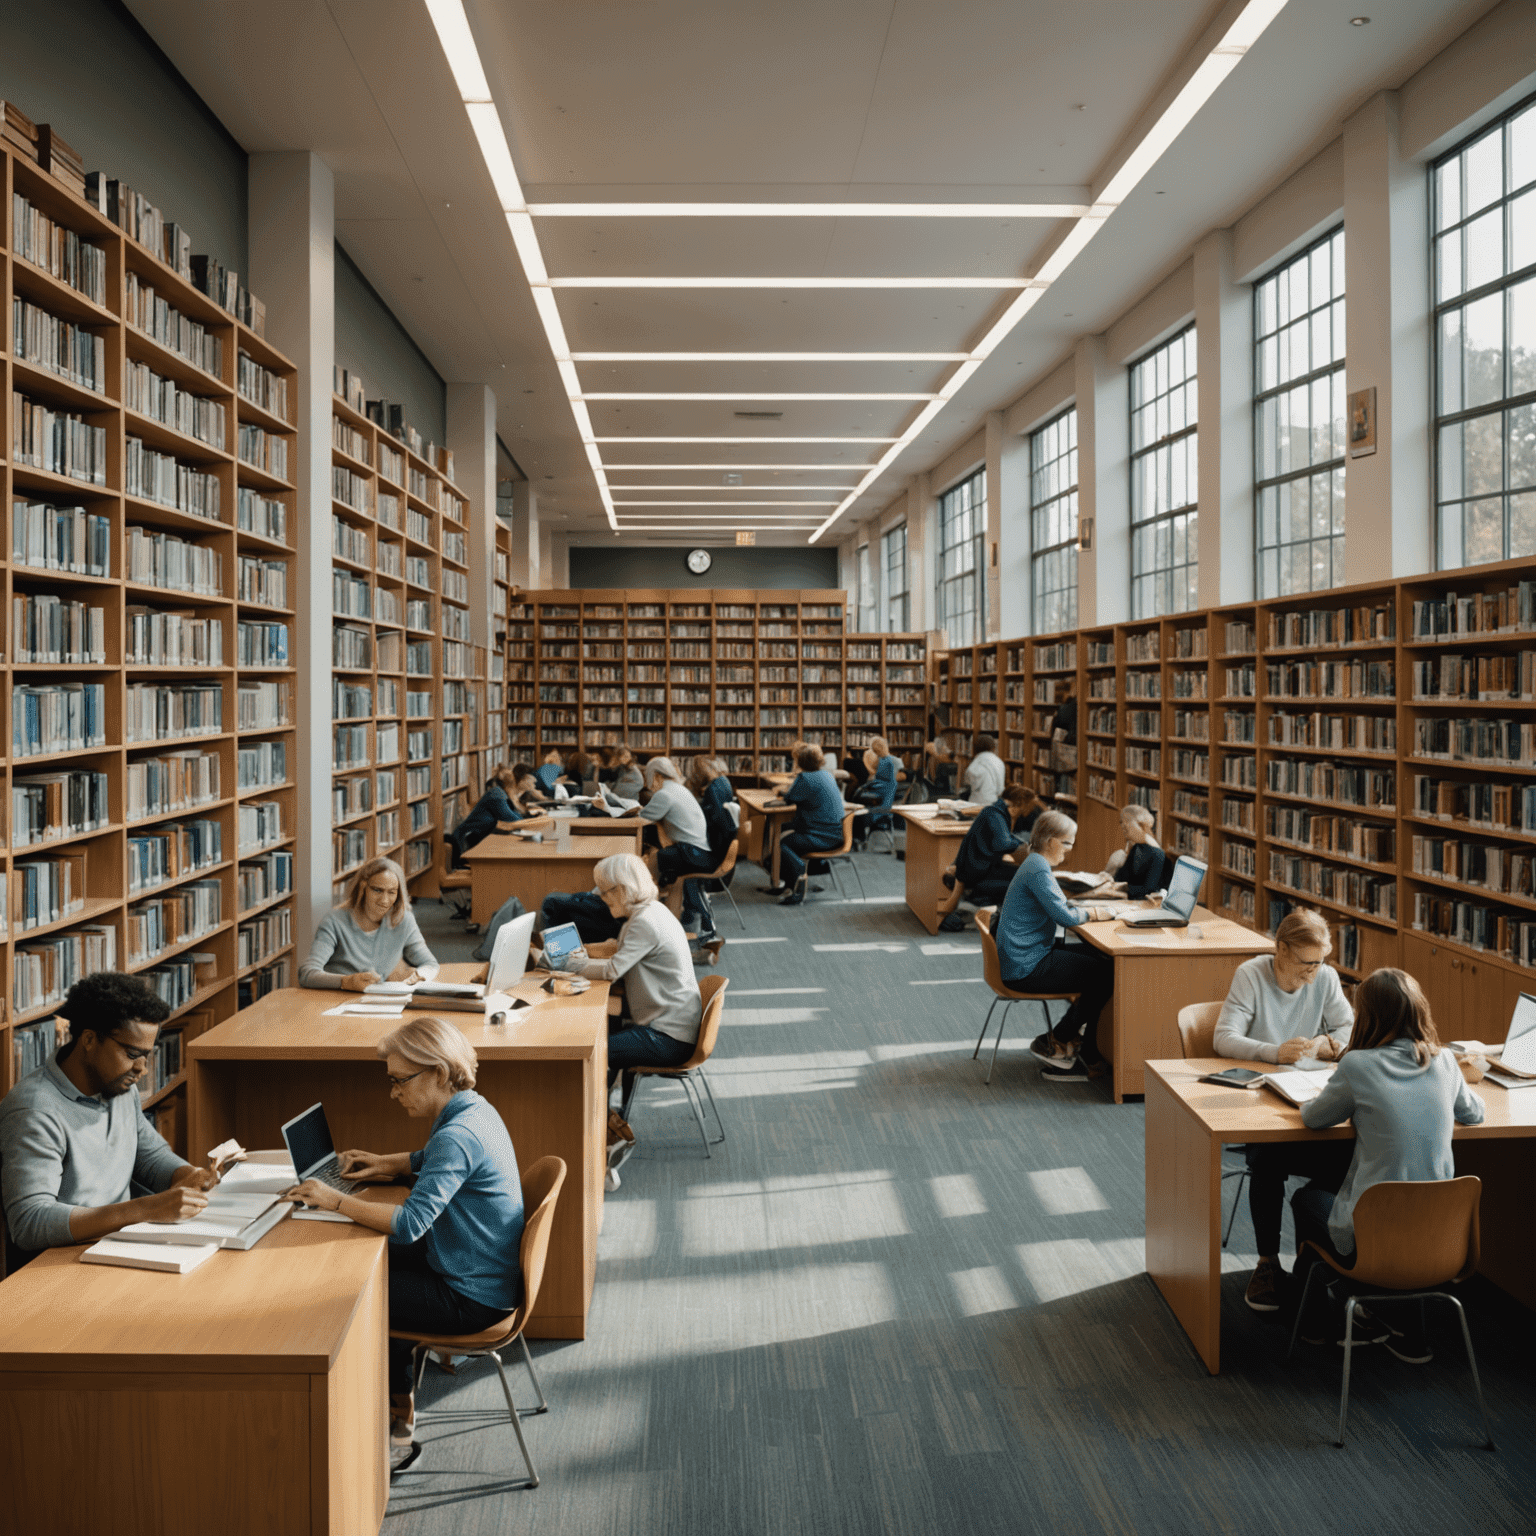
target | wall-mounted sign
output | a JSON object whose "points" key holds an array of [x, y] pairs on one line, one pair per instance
{"points": [[1362, 422]]}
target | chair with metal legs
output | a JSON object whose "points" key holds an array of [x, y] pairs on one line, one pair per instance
{"points": [[832, 857], [541, 1191], [691, 1073], [1411, 1238], [1197, 1035], [1002, 993]]}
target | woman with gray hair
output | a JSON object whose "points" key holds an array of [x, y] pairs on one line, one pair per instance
{"points": [[372, 938], [1141, 866], [673, 807], [1034, 960]]}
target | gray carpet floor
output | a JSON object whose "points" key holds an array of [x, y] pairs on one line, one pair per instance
{"points": [[896, 1300]]}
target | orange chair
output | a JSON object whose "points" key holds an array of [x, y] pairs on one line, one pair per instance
{"points": [[1410, 1239], [691, 1072], [541, 1191], [832, 857], [727, 864], [1002, 993], [1197, 1036]]}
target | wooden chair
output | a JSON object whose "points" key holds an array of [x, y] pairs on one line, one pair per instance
{"points": [[541, 1191], [1002, 993], [1197, 1036], [727, 864], [1410, 1239], [832, 857], [691, 1073]]}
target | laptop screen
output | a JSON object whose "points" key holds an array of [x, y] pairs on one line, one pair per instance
{"points": [[1184, 887], [1520, 1042], [308, 1139], [509, 954], [560, 942]]}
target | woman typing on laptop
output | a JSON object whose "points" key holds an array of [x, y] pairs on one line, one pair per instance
{"points": [[453, 1243], [372, 938]]}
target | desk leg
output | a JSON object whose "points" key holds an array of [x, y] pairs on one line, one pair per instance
{"points": [[771, 830], [924, 881], [1184, 1219], [1506, 1165]]}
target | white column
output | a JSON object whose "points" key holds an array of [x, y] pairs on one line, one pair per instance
{"points": [[1103, 485], [525, 536], [1008, 531], [1224, 360], [292, 204], [472, 439], [1388, 519], [920, 551]]}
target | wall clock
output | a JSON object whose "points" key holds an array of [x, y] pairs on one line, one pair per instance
{"points": [[699, 561]]}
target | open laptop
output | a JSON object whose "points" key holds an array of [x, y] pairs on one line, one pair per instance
{"points": [[1179, 902], [1519, 1053], [509, 959], [308, 1139]]}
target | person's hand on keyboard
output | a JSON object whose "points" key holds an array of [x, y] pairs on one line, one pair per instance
{"points": [[313, 1193], [375, 1166]]}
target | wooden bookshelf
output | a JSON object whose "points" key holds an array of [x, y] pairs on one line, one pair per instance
{"points": [[1301, 746], [182, 447], [739, 674]]}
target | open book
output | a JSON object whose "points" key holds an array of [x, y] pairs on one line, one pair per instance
{"points": [[233, 1218], [1300, 1086], [614, 805]]}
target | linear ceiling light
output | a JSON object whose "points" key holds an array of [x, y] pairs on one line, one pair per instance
{"points": [[759, 441], [618, 488], [724, 503], [806, 210], [697, 394], [671, 469], [1246, 28], [458, 44], [789, 282], [769, 357]]}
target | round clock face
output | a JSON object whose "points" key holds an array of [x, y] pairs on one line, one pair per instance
{"points": [[699, 561]]}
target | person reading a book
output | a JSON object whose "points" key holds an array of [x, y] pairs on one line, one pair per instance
{"points": [[372, 938], [1139, 868], [985, 774], [552, 771], [1032, 959], [988, 857], [818, 826], [528, 797], [1279, 1008], [493, 807], [78, 1159], [624, 776], [1405, 1096], [672, 806], [453, 1243]]}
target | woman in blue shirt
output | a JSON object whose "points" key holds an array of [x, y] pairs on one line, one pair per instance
{"points": [[1034, 960], [494, 806], [453, 1244], [818, 822], [878, 791]]}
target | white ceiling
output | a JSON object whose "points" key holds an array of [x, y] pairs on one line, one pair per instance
{"points": [[911, 101]]}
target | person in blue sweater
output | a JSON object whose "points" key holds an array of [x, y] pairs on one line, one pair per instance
{"points": [[1405, 1095], [877, 792], [453, 1243], [494, 806], [818, 824], [1033, 960], [552, 771], [989, 856]]}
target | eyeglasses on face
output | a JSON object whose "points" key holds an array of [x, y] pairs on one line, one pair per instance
{"points": [[400, 1082]]}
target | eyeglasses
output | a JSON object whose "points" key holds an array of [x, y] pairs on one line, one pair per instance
{"points": [[400, 1082]]}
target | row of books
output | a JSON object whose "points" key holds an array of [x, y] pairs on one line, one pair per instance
{"points": [[49, 538], [52, 805], [1334, 733], [1331, 679], [349, 848], [60, 442], [1511, 675], [263, 937], [270, 978], [163, 922], [263, 450], [58, 250], [60, 347], [161, 711], [58, 717], [1508, 806], [259, 824], [173, 405], [169, 852], [49, 630], [1474, 740], [261, 645], [1330, 783], [1359, 625], [43, 970], [42, 891], [164, 479], [261, 515], [157, 559], [1373, 894], [158, 638], [1479, 613], [261, 386], [1475, 925], [33, 1045], [1369, 842], [264, 879], [261, 764], [262, 582], [170, 782], [163, 323], [1486, 865]]}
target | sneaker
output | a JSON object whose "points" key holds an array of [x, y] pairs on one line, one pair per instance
{"points": [[403, 1458], [1096, 1069], [619, 1152], [795, 897], [402, 1434], [1369, 1329], [1412, 1348], [954, 923], [618, 1128], [1052, 1052], [1263, 1293], [775, 890], [709, 951], [1076, 1073], [611, 1180]]}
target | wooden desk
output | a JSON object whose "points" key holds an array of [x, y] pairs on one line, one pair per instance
{"points": [[505, 865], [777, 780], [547, 1077], [247, 1398], [933, 840], [1188, 1123], [1158, 971], [610, 826], [761, 825]]}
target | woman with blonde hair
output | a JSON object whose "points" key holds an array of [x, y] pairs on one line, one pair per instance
{"points": [[1405, 1096], [453, 1242], [372, 938], [1140, 867]]}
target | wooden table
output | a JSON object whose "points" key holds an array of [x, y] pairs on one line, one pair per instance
{"points": [[1188, 1123], [1158, 971], [504, 865], [547, 1076], [761, 825], [247, 1398], [933, 840]]}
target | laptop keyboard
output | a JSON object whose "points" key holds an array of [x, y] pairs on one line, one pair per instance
{"points": [[330, 1176]]}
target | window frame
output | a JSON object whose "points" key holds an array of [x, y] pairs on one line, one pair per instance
{"points": [[973, 488], [1167, 441], [889, 596], [1038, 553], [864, 589], [1506, 403], [1261, 397]]}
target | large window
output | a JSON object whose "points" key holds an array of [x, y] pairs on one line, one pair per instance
{"points": [[1165, 550], [1053, 523], [1298, 421], [962, 589], [1485, 344], [866, 579], [898, 606]]}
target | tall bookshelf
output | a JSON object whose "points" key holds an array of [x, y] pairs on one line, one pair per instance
{"points": [[1368, 753], [149, 682], [739, 674], [408, 684]]}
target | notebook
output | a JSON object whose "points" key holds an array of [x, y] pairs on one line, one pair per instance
{"points": [[169, 1258], [231, 1219], [1300, 1086]]}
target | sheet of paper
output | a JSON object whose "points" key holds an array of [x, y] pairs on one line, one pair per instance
{"points": [[267, 1179], [371, 1010]]}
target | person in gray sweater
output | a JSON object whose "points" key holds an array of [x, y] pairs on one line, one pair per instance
{"points": [[1405, 1095], [1279, 1008], [372, 938], [673, 806]]}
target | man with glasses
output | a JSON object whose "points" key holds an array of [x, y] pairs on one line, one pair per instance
{"points": [[78, 1159], [1280, 1008]]}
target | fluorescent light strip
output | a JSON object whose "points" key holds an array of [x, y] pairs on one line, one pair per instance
{"points": [[758, 441], [847, 469], [1248, 26], [725, 503], [806, 210], [458, 44], [769, 357], [791, 282], [617, 488], [696, 394]]}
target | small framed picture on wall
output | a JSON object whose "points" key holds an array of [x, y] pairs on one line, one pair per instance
{"points": [[1362, 422]]}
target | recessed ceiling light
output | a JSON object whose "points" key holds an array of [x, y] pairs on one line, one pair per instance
{"points": [[1359, 21]]}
